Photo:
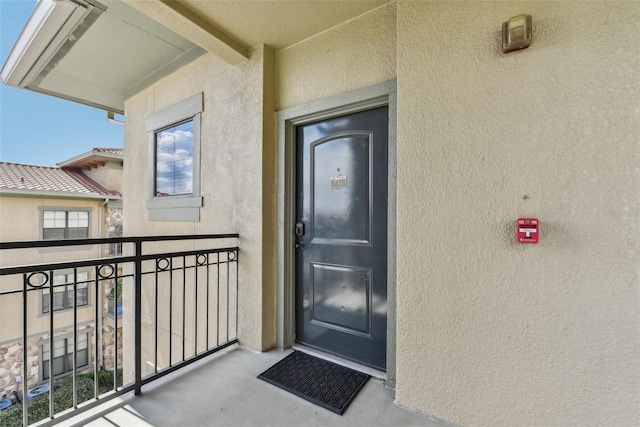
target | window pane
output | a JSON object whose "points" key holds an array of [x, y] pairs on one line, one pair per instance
{"points": [[60, 219], [69, 296], [83, 219], [78, 219], [82, 293], [58, 300], [174, 160], [83, 358], [48, 219], [45, 301], [58, 365], [82, 341], [53, 219], [58, 348], [83, 296], [53, 233], [78, 233], [60, 279]]}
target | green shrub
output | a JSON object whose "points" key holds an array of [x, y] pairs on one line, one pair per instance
{"points": [[38, 407], [118, 289]]}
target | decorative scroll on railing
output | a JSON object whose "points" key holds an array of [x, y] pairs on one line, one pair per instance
{"points": [[75, 334]]}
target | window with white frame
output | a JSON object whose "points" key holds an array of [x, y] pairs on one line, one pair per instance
{"points": [[63, 285], [174, 154], [63, 350], [65, 224]]}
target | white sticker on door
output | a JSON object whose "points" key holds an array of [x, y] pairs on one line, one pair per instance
{"points": [[338, 181]]}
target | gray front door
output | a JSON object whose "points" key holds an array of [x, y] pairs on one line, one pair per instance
{"points": [[341, 236]]}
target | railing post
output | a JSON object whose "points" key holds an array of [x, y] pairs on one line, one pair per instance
{"points": [[137, 339], [25, 353]]}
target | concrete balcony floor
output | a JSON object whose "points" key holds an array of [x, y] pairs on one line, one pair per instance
{"points": [[222, 390]]}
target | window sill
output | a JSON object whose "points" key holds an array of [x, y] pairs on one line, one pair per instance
{"points": [[50, 249], [64, 310], [174, 208]]}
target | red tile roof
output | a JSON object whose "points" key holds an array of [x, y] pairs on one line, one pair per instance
{"points": [[28, 178]]}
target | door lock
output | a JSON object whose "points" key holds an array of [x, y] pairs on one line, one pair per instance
{"points": [[299, 229]]}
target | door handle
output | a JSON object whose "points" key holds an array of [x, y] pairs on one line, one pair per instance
{"points": [[300, 245]]}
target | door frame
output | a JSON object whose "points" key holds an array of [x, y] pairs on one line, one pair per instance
{"points": [[383, 94]]}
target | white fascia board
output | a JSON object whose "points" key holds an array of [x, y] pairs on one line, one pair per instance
{"points": [[46, 20], [99, 157], [16, 192]]}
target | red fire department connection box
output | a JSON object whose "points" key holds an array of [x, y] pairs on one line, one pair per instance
{"points": [[528, 230]]}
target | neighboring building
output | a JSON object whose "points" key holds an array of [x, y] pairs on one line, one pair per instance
{"points": [[396, 244], [79, 199]]}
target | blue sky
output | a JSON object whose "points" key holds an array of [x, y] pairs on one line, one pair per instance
{"points": [[38, 129]]}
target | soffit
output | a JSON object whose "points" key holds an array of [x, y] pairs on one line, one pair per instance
{"points": [[107, 51], [279, 23], [120, 54]]}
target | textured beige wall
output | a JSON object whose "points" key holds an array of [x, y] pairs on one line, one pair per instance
{"points": [[233, 180], [491, 332], [356, 54], [109, 175]]}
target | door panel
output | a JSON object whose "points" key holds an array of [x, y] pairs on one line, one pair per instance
{"points": [[340, 195], [341, 260], [341, 298]]}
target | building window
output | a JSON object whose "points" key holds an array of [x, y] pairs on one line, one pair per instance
{"points": [[115, 230], [63, 224], [115, 249], [174, 153], [63, 350], [174, 160], [63, 292]]}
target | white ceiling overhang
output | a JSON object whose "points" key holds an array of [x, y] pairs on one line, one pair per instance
{"points": [[101, 53], [97, 54]]}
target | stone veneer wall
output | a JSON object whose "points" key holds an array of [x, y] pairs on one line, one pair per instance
{"points": [[108, 338], [112, 228], [11, 360], [113, 220]]}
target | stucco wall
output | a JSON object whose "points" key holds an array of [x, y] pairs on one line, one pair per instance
{"points": [[232, 181], [109, 175], [358, 53], [491, 332]]}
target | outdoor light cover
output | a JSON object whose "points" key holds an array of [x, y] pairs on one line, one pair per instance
{"points": [[516, 33]]}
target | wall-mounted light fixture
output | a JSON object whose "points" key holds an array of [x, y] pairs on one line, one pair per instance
{"points": [[516, 33]]}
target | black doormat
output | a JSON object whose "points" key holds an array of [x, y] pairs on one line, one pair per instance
{"points": [[319, 381]]}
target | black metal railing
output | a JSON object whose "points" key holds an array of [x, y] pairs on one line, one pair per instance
{"points": [[168, 301]]}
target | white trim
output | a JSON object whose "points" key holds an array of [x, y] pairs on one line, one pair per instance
{"points": [[55, 194], [46, 21], [175, 113], [178, 207]]}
